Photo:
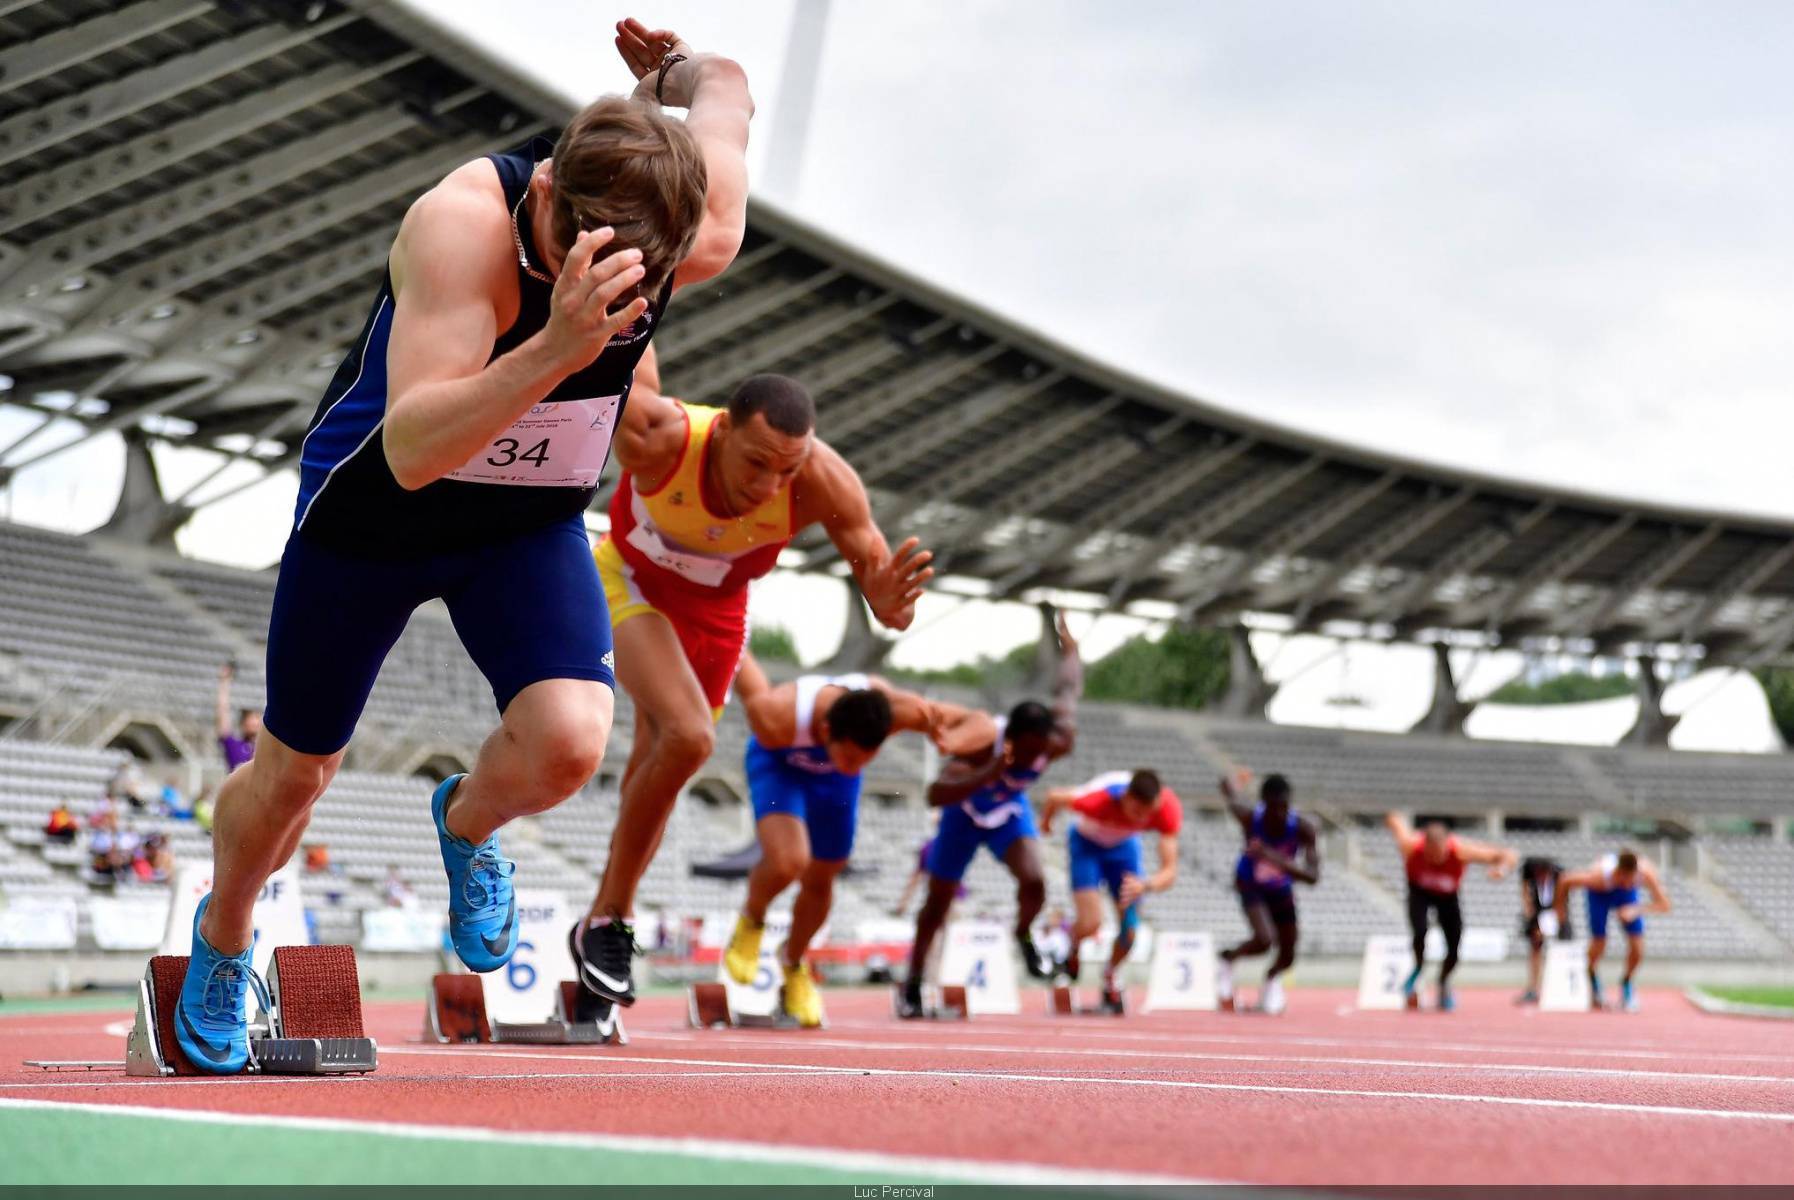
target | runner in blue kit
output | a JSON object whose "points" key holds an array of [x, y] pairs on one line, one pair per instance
{"points": [[452, 458], [1280, 850], [1612, 883], [983, 798], [811, 738]]}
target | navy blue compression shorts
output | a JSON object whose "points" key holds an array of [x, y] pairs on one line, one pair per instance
{"points": [[527, 609]]}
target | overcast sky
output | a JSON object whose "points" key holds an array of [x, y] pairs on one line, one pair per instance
{"points": [[1542, 240]]}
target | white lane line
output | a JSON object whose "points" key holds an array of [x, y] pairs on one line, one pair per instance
{"points": [[757, 1042], [830, 1157], [1271, 1036], [1665, 1110], [188, 1080]]}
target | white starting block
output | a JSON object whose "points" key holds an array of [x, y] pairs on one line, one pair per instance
{"points": [[535, 998], [759, 1004], [1564, 985], [1388, 961], [979, 957], [1183, 973]]}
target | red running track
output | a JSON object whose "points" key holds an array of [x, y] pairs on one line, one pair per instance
{"points": [[1490, 1094]]}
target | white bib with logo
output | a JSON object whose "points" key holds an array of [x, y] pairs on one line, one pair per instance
{"points": [[562, 444]]}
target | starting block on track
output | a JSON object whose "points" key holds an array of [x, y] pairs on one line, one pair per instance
{"points": [[1564, 985], [1063, 1002], [713, 1006], [312, 1025], [456, 1012], [945, 1003]]}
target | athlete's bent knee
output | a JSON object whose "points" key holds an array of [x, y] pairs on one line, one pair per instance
{"points": [[686, 743], [786, 863], [565, 755], [294, 783]]}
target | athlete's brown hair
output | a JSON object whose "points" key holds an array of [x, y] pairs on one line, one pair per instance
{"points": [[630, 166]]}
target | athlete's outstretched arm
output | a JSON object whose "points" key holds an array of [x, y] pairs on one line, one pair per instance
{"points": [[651, 436], [963, 776], [1231, 788], [1068, 685], [1653, 884], [771, 711], [1568, 882], [1057, 801], [1500, 859], [225, 674], [829, 493], [714, 92], [1401, 831], [445, 401], [958, 730], [1161, 879]]}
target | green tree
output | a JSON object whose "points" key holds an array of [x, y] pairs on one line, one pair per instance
{"points": [[1778, 686], [1186, 668], [772, 643], [1572, 687]]}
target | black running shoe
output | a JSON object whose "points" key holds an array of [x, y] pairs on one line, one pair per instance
{"points": [[1036, 962], [603, 954], [1113, 1002], [906, 1002]]}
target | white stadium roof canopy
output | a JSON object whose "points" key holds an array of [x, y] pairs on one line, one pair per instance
{"points": [[198, 203]]}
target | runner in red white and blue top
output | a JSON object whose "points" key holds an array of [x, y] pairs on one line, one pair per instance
{"points": [[1111, 812], [1280, 850]]}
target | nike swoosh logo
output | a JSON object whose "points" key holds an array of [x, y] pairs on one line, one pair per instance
{"points": [[504, 935], [602, 980], [205, 1047]]}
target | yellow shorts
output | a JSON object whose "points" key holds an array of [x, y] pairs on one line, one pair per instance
{"points": [[712, 654]]}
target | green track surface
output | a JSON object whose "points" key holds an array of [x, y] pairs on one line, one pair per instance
{"points": [[1773, 997], [79, 1002], [64, 1147]]}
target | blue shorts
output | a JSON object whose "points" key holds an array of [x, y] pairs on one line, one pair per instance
{"points": [[959, 837], [1094, 865], [526, 609], [827, 803], [1602, 903]]}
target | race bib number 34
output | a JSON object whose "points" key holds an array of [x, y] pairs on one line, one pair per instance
{"points": [[562, 444]]}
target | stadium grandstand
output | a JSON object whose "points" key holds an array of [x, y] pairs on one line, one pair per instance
{"points": [[199, 201]]}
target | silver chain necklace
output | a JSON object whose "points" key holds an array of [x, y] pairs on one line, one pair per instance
{"points": [[517, 240]]}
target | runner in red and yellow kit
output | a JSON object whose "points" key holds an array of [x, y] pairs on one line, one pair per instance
{"points": [[708, 499]]}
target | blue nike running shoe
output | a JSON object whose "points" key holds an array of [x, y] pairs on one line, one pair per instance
{"points": [[211, 1021], [482, 902]]}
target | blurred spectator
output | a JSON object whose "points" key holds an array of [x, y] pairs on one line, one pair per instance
{"points": [[128, 784], [236, 741], [174, 803], [202, 808], [323, 877], [62, 825], [154, 860], [398, 892]]}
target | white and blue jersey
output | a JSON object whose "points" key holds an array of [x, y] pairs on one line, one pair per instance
{"points": [[800, 780], [1607, 899], [994, 817]]}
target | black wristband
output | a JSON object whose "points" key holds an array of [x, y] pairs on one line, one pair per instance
{"points": [[660, 81]]}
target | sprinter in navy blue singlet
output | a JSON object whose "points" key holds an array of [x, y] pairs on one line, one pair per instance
{"points": [[983, 800], [452, 458], [1280, 851]]}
